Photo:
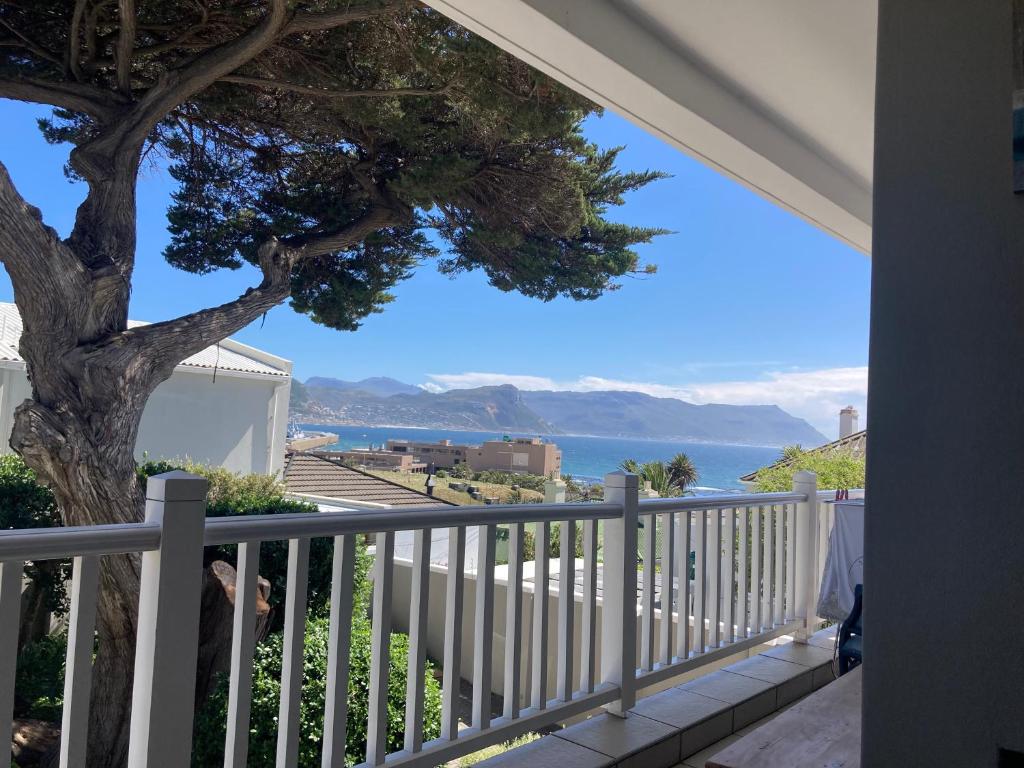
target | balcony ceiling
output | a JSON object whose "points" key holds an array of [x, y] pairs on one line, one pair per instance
{"points": [[778, 95]]}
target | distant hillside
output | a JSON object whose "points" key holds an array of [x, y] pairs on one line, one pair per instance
{"points": [[486, 408], [381, 401], [379, 386], [634, 414]]}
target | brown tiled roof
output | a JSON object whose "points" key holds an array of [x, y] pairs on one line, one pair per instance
{"points": [[318, 476], [855, 445]]}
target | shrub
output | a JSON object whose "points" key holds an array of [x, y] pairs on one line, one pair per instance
{"points": [[232, 494], [24, 503], [554, 543], [39, 685], [834, 470], [266, 685]]}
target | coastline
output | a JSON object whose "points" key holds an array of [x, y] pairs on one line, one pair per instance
{"points": [[549, 436]]}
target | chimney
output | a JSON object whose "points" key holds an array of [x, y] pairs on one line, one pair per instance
{"points": [[847, 421]]}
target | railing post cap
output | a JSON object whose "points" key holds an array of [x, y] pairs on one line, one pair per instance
{"points": [[804, 476], [176, 485], [621, 479]]}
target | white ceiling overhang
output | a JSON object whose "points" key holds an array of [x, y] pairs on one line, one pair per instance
{"points": [[777, 94]]}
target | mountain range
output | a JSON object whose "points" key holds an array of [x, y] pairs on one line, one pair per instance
{"points": [[381, 401]]}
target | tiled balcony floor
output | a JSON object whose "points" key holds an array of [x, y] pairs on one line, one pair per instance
{"points": [[683, 726]]}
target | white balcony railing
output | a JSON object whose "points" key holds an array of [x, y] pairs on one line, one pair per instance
{"points": [[754, 576]]}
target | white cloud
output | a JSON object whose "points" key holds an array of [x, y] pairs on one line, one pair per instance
{"points": [[813, 395]]}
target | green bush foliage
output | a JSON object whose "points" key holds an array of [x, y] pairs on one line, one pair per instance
{"points": [[39, 685], [554, 543], [24, 503], [499, 477], [834, 470], [210, 725], [232, 494]]}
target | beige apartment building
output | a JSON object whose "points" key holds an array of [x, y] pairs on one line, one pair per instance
{"points": [[389, 460], [525, 455]]}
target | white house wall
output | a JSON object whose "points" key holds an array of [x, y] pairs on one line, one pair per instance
{"points": [[233, 422], [237, 422]]}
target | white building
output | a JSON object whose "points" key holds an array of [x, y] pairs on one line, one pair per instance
{"points": [[225, 406]]}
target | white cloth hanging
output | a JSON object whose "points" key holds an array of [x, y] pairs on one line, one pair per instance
{"points": [[844, 564]]}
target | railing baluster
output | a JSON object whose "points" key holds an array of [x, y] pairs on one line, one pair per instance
{"points": [[715, 579], [566, 609], [11, 574], [419, 599], [755, 571], [539, 687], [588, 619], [780, 564], [514, 621], [294, 650], [243, 645], [650, 553], [74, 729], [700, 588], [380, 649], [741, 589], [668, 564], [483, 623], [766, 567], [791, 524], [683, 633], [729, 580], [336, 699], [452, 671]]}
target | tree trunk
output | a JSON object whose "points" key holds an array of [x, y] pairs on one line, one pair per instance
{"points": [[85, 453]]}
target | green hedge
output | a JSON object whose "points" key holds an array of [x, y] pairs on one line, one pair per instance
{"points": [[232, 494], [24, 503], [210, 728]]}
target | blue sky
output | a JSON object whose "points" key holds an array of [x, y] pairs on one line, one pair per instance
{"points": [[749, 305]]}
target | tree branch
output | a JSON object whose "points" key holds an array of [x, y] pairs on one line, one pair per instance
{"points": [[315, 22], [178, 85], [325, 93], [77, 97], [75, 39], [125, 43], [44, 272], [170, 342]]}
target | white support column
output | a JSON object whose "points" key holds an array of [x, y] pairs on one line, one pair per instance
{"points": [[554, 492], [806, 522], [618, 614], [166, 647]]}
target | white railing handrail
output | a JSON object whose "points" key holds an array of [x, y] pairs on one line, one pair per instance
{"points": [[80, 540], [231, 530], [72, 541], [718, 501]]}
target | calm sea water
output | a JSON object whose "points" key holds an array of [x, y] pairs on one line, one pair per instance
{"points": [[719, 466]]}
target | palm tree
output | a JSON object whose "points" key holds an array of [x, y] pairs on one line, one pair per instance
{"points": [[668, 479], [682, 472]]}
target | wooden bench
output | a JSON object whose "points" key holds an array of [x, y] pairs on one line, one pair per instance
{"points": [[822, 730]]}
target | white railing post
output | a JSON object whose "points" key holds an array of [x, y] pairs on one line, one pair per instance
{"points": [[806, 538], [618, 610], [166, 647]]}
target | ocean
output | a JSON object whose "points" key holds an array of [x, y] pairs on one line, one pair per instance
{"points": [[719, 466]]}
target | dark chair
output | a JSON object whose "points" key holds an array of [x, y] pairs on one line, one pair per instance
{"points": [[851, 634]]}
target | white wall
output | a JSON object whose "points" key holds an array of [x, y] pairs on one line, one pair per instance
{"points": [[235, 422], [400, 608], [944, 545]]}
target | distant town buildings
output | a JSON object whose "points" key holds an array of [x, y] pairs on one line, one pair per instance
{"points": [[523, 455]]}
